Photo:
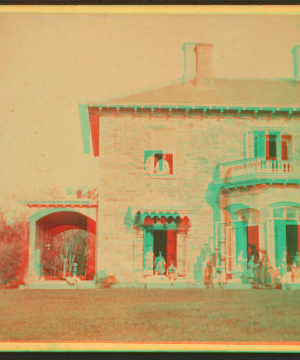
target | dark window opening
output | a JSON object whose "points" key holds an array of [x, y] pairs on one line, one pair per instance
{"points": [[271, 147]]}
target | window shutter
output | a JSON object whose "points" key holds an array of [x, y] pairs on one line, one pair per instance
{"points": [[148, 242], [181, 252], [284, 149], [249, 146], [138, 251], [220, 243], [259, 144], [241, 239], [278, 147], [279, 240], [230, 236]]}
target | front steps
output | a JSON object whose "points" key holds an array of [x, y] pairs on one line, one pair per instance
{"points": [[58, 285]]}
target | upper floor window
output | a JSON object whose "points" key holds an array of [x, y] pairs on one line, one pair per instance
{"points": [[285, 213], [158, 162], [272, 145]]}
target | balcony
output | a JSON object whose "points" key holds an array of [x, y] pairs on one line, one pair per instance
{"points": [[260, 170]]}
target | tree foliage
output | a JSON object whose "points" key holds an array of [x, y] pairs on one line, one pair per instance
{"points": [[10, 250]]}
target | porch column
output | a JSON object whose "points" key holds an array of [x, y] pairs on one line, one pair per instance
{"points": [[181, 252], [138, 247], [271, 242], [31, 257]]}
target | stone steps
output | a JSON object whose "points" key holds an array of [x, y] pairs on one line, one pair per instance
{"points": [[58, 285]]}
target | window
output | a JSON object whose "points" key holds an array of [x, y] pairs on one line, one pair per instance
{"points": [[271, 153], [285, 213], [158, 162], [286, 147], [278, 213], [291, 213], [271, 145]]}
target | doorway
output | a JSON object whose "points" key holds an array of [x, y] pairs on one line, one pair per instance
{"points": [[292, 244], [253, 241], [166, 242]]}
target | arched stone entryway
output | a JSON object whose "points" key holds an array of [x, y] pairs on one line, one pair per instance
{"points": [[59, 241]]}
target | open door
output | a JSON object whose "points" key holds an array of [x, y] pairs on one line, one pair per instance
{"points": [[171, 247], [253, 240]]}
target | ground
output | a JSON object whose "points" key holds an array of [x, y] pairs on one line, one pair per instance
{"points": [[176, 315]]}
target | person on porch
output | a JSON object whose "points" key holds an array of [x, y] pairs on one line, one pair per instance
{"points": [[160, 264], [251, 269], [241, 263], [149, 260], [254, 253], [172, 272]]}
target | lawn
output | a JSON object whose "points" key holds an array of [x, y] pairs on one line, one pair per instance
{"points": [[157, 315]]}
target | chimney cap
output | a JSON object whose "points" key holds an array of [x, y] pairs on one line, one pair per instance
{"points": [[295, 48], [188, 44]]}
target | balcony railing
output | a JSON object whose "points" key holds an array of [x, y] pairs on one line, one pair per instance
{"points": [[270, 168]]}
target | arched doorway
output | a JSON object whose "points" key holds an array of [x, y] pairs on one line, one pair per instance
{"points": [[65, 245]]}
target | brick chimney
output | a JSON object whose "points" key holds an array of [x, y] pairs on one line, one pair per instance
{"points": [[296, 56], [204, 75], [198, 64], [189, 61]]}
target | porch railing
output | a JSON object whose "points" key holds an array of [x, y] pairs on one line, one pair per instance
{"points": [[259, 166]]}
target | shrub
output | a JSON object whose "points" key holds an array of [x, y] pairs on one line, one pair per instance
{"points": [[10, 250]]}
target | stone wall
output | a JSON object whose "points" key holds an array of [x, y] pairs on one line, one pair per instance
{"points": [[198, 145]]}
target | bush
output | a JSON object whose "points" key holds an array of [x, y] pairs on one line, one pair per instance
{"points": [[10, 250]]}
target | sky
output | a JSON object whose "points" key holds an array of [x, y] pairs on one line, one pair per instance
{"points": [[49, 62]]}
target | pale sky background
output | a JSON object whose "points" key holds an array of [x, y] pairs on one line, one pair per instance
{"points": [[48, 62]]}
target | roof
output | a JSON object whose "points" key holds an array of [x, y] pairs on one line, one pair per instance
{"points": [[259, 96], [278, 93]]}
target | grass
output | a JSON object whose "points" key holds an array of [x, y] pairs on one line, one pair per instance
{"points": [[150, 315]]}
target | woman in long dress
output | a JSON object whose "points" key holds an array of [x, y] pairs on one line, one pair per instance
{"points": [[160, 264], [251, 269], [241, 263]]}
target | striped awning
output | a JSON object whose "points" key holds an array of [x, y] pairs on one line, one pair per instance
{"points": [[163, 219]]}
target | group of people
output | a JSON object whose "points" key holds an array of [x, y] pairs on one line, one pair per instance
{"points": [[258, 270], [158, 265], [203, 268]]}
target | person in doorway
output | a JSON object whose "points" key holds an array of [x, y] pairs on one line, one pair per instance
{"points": [[283, 265], [160, 264], [149, 260], [241, 263], [254, 253], [259, 274], [251, 269], [162, 166], [172, 273]]}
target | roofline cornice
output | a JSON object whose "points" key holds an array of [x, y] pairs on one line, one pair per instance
{"points": [[113, 109]]}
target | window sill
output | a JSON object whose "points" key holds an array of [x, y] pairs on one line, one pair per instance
{"points": [[162, 177]]}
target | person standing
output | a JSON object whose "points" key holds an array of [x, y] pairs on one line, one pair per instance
{"points": [[172, 273], [149, 260], [160, 264]]}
